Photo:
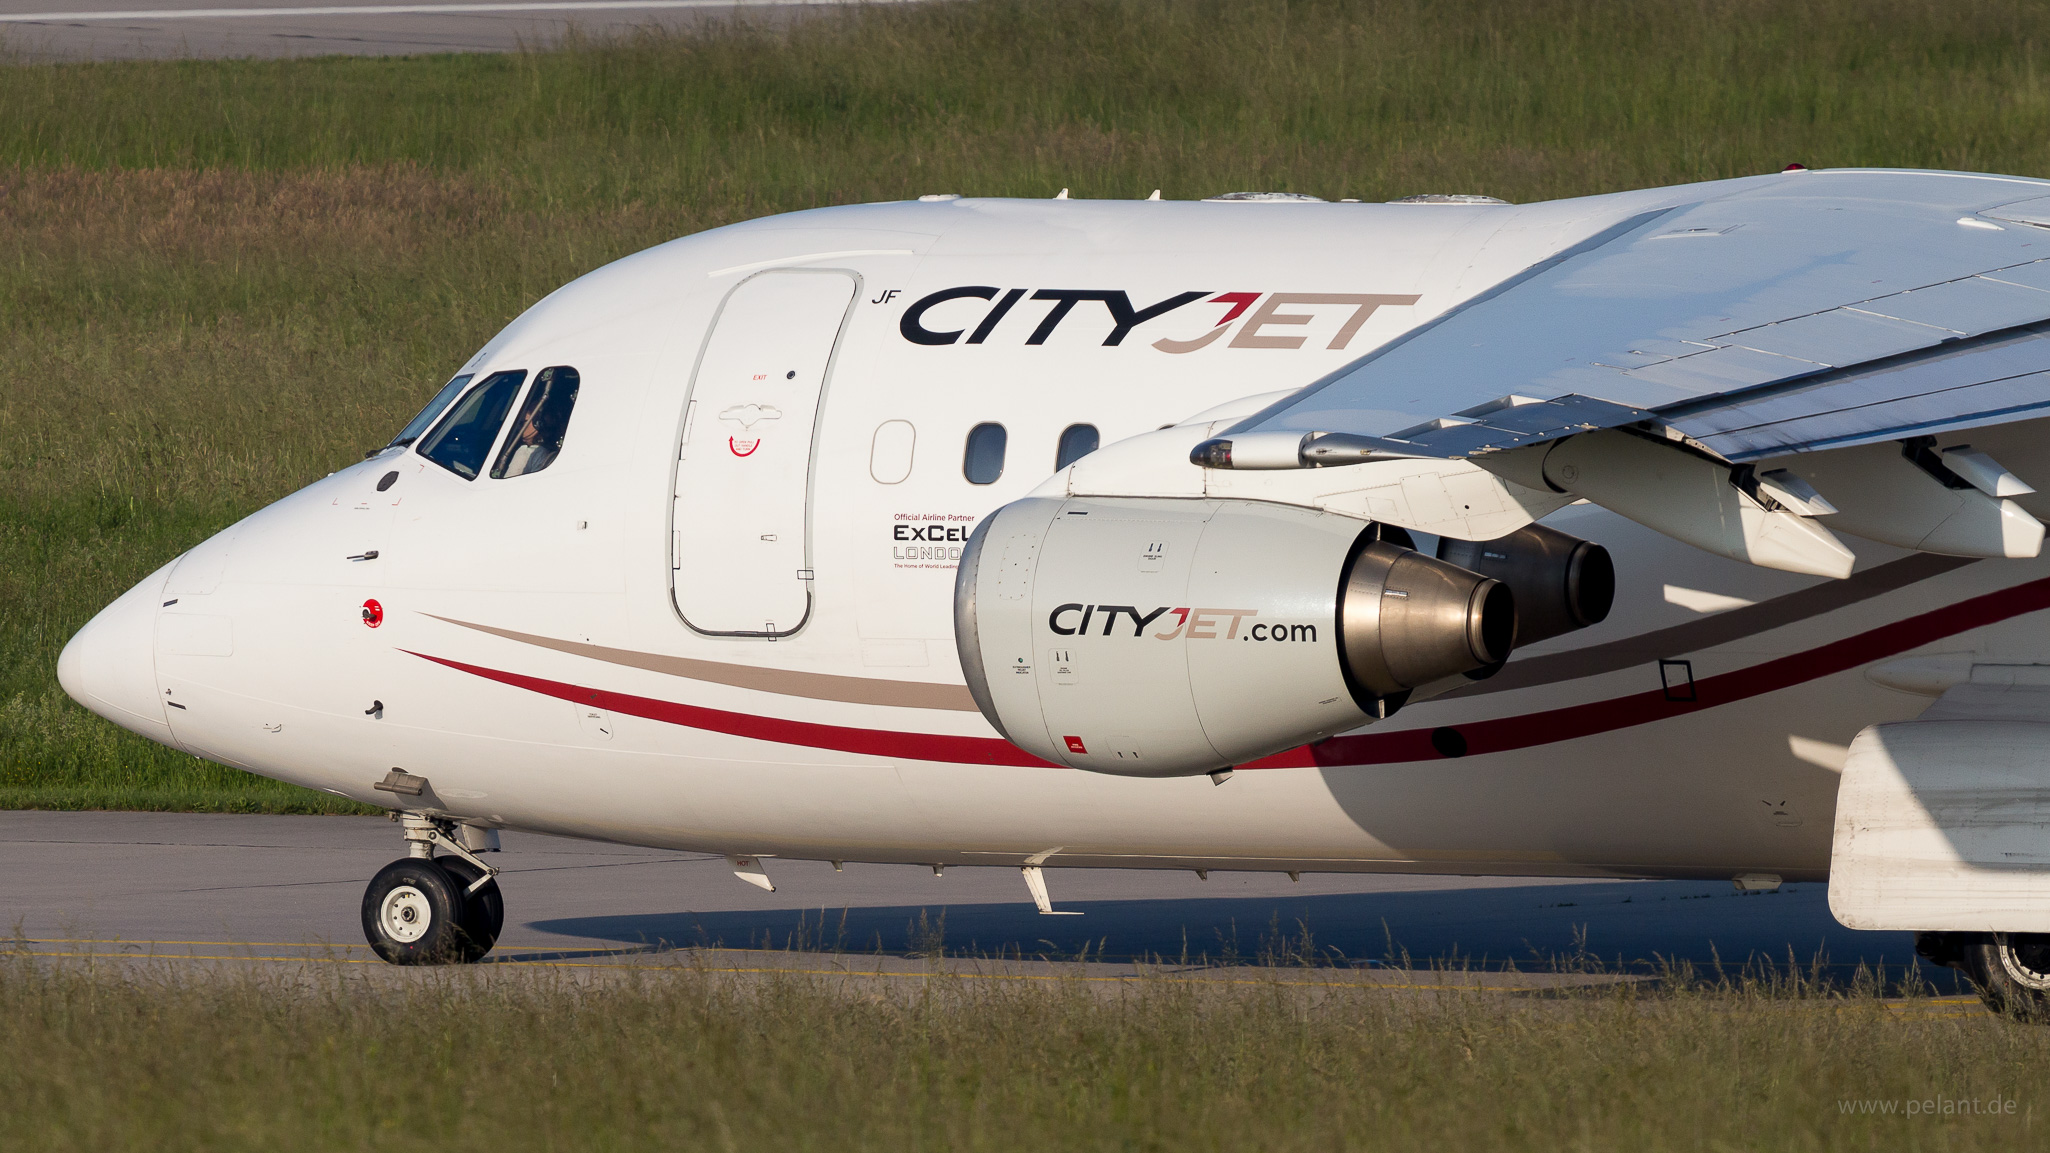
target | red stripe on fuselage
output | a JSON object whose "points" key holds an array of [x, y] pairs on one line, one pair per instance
{"points": [[1564, 724], [1503, 734], [872, 742]]}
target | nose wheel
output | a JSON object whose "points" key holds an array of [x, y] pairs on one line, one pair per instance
{"points": [[424, 910], [483, 905], [413, 913]]}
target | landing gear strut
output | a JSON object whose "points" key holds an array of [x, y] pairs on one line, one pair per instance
{"points": [[2010, 970], [423, 910]]}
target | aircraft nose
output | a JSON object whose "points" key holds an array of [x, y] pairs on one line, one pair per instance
{"points": [[110, 667]]}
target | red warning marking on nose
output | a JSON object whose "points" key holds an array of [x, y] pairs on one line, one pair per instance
{"points": [[753, 443], [1075, 745], [373, 613]]}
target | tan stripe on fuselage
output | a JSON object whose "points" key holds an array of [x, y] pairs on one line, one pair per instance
{"points": [[816, 686], [1720, 629], [1572, 664]]}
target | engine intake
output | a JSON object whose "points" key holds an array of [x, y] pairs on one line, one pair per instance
{"points": [[1155, 637]]}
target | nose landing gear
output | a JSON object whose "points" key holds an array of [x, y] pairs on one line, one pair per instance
{"points": [[423, 910]]}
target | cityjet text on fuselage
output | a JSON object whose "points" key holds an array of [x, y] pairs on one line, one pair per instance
{"points": [[982, 313]]}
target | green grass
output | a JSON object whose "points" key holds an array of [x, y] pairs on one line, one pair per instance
{"points": [[176, 1059], [220, 280]]}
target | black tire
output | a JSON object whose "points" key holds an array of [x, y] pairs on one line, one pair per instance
{"points": [[1944, 949], [413, 914], [2012, 972], [483, 910]]}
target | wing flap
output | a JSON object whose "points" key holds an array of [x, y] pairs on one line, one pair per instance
{"points": [[1839, 337], [2036, 211], [2036, 275], [1724, 369], [1969, 307], [1990, 381]]}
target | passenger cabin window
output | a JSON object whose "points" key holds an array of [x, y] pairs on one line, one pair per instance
{"points": [[420, 423], [537, 434], [1077, 441], [462, 441], [983, 463]]}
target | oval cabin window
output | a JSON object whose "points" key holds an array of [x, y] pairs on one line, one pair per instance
{"points": [[889, 455], [983, 462], [1077, 441]]}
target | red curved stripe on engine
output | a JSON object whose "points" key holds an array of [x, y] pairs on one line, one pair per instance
{"points": [[872, 742], [1502, 734]]}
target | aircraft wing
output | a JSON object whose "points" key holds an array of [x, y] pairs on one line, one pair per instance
{"points": [[1821, 310]]}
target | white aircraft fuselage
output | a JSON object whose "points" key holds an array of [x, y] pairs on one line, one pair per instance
{"points": [[722, 619]]}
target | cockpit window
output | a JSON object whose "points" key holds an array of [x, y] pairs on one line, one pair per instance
{"points": [[420, 423], [537, 434], [462, 440]]}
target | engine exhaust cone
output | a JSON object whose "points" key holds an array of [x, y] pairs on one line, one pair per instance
{"points": [[1561, 582], [1406, 620]]}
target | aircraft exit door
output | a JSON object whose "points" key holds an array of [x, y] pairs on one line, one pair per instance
{"points": [[740, 549]]}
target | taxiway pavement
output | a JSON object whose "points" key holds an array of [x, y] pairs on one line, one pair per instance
{"points": [[176, 884]]}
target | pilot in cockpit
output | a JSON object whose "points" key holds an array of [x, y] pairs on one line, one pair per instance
{"points": [[544, 420]]}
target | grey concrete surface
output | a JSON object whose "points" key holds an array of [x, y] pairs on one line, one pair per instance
{"points": [[263, 886], [197, 29]]}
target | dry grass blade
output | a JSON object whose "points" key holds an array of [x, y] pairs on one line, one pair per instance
{"points": [[688, 1057]]}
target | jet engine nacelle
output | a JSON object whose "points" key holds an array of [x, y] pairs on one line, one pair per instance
{"points": [[1562, 583], [1160, 637]]}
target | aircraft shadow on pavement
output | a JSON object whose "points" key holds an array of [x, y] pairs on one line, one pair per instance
{"points": [[1635, 924]]}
